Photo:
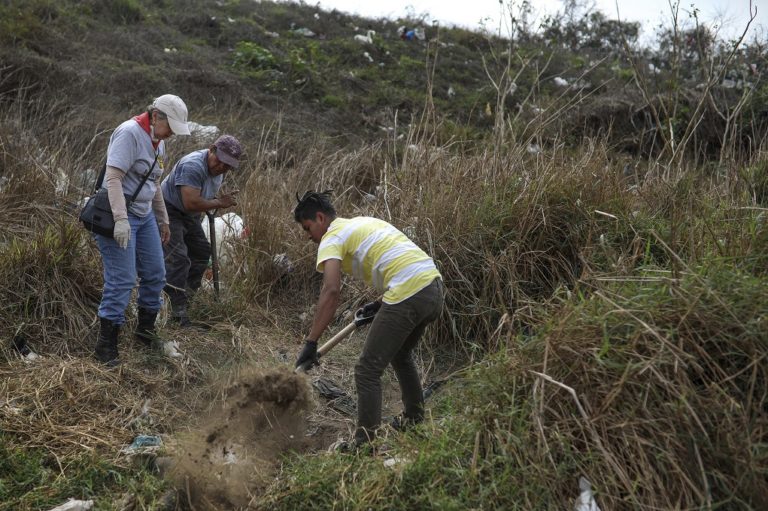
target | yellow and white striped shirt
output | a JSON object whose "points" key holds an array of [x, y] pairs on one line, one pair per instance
{"points": [[377, 253]]}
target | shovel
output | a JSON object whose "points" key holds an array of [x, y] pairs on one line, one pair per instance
{"points": [[359, 321], [214, 256]]}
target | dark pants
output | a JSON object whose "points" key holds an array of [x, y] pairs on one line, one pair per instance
{"points": [[394, 333], [186, 256]]}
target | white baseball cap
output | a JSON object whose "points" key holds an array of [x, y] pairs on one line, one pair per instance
{"points": [[176, 110]]}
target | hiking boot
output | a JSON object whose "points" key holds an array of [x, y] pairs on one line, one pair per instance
{"points": [[106, 344]]}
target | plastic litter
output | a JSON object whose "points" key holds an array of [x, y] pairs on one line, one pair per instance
{"points": [[143, 444], [586, 500], [391, 462], [171, 349], [74, 505]]}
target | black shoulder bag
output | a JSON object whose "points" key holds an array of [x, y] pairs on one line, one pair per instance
{"points": [[96, 215]]}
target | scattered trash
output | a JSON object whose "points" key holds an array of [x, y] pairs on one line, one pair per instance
{"points": [[304, 31], [339, 400], [171, 349], [143, 444], [230, 230], [586, 500], [31, 357], [20, 345], [202, 132], [391, 462], [144, 418], [365, 39], [74, 505], [283, 263]]}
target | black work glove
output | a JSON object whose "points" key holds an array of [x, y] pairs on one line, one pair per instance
{"points": [[308, 354], [370, 309], [366, 313]]}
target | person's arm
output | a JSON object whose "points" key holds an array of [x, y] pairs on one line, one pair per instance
{"points": [[195, 203], [158, 206], [161, 214], [329, 299], [113, 181]]}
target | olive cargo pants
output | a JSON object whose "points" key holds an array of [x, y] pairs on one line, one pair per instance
{"points": [[394, 334]]}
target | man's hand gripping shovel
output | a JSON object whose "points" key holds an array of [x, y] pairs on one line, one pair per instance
{"points": [[361, 318]]}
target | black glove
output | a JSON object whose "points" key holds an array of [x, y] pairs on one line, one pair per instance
{"points": [[370, 309], [366, 313], [308, 354]]}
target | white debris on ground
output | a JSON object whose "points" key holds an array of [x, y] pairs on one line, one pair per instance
{"points": [[230, 229], [202, 132], [74, 505], [143, 444], [304, 31], [171, 349], [586, 500], [365, 39], [391, 462], [31, 357], [282, 263]]}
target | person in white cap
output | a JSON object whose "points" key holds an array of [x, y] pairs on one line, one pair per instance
{"points": [[136, 151], [190, 189]]}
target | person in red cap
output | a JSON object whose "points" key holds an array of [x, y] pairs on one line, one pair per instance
{"points": [[190, 189]]}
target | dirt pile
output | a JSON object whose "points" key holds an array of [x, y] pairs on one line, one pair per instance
{"points": [[232, 456]]}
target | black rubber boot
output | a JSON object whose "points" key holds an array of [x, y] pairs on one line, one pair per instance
{"points": [[106, 344], [145, 328]]}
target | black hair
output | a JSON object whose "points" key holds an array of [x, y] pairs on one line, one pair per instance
{"points": [[312, 203]]}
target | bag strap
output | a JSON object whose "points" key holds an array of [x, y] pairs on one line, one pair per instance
{"points": [[143, 180], [100, 179]]}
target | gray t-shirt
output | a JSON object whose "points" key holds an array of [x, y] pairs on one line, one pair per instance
{"points": [[191, 170], [130, 150]]}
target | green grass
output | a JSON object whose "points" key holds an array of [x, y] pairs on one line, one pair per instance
{"points": [[498, 439], [33, 479]]}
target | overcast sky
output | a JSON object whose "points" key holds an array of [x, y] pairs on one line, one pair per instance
{"points": [[731, 15]]}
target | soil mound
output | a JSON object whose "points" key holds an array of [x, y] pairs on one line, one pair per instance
{"points": [[233, 455]]}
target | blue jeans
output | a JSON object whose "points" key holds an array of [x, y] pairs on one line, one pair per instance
{"points": [[143, 259]]}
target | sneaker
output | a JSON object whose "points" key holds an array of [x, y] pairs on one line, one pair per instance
{"points": [[401, 423]]}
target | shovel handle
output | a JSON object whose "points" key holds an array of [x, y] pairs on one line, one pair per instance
{"points": [[214, 256], [325, 348]]}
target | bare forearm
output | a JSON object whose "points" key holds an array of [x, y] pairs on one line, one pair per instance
{"points": [[198, 204], [326, 309]]}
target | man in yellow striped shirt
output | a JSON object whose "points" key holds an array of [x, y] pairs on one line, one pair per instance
{"points": [[384, 258]]}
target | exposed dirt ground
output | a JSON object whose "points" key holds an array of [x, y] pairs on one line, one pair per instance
{"points": [[227, 410]]}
